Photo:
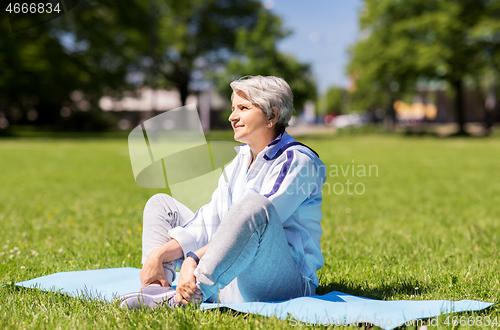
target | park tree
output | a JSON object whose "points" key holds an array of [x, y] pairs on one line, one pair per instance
{"points": [[196, 35], [172, 42], [334, 100], [258, 55], [487, 35], [406, 41], [54, 74], [107, 48]]}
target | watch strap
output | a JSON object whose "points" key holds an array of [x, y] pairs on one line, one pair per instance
{"points": [[194, 256]]}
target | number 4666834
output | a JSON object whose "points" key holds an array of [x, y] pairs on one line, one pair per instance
{"points": [[471, 321], [32, 8]]}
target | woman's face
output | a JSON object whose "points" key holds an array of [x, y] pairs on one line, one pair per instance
{"points": [[249, 121]]}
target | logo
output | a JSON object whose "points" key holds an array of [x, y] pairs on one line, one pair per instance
{"points": [[170, 151]]}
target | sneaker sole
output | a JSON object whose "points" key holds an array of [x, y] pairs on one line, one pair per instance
{"points": [[140, 300]]}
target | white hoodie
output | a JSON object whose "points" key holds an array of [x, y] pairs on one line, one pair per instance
{"points": [[291, 176]]}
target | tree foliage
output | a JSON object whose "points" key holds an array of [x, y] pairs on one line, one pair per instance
{"points": [[260, 56], [88, 50], [333, 101], [108, 48], [407, 41]]}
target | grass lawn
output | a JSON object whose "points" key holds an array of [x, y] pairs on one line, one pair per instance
{"points": [[424, 224]]}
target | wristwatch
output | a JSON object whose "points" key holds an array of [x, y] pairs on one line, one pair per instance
{"points": [[194, 256]]}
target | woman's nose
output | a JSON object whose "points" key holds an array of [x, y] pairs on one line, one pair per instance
{"points": [[233, 116]]}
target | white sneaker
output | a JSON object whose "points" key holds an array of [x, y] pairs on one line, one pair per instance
{"points": [[150, 297]]}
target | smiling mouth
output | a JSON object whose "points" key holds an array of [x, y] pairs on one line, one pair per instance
{"points": [[238, 126]]}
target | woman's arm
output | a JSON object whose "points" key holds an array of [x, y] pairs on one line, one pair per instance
{"points": [[181, 239], [293, 178], [152, 270], [201, 252], [198, 231], [186, 287]]}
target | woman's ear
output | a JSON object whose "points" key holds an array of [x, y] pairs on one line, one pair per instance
{"points": [[275, 115]]}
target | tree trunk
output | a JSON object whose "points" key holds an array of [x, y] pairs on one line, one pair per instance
{"points": [[181, 81], [459, 107], [489, 107], [490, 103], [390, 117], [153, 42]]}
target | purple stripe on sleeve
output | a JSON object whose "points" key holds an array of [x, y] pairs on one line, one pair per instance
{"points": [[283, 173]]}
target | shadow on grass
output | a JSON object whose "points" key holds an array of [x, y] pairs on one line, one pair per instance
{"points": [[429, 134], [385, 292], [374, 130], [33, 134]]}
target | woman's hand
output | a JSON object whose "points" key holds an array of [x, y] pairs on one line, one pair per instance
{"points": [[187, 291], [152, 271]]}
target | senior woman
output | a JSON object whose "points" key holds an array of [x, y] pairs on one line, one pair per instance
{"points": [[258, 239]]}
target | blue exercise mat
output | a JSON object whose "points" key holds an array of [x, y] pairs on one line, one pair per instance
{"points": [[332, 308]]}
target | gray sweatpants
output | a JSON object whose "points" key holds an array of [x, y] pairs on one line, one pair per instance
{"points": [[248, 258]]}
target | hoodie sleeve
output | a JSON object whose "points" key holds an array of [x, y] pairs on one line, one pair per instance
{"points": [[294, 178], [198, 231]]}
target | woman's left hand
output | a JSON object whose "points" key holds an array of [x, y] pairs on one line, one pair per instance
{"points": [[187, 291]]}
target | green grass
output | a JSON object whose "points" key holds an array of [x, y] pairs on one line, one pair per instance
{"points": [[427, 227]]}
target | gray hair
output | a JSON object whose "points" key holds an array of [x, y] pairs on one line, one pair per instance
{"points": [[267, 92]]}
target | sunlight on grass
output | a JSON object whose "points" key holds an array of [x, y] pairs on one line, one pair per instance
{"points": [[426, 225]]}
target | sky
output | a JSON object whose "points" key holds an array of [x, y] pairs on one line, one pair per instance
{"points": [[322, 32]]}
